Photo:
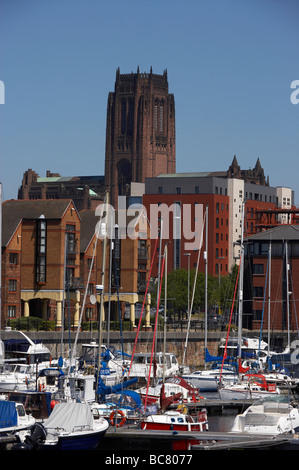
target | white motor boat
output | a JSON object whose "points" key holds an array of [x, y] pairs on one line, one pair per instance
{"points": [[208, 380], [25, 351], [272, 415], [16, 377], [141, 365]]}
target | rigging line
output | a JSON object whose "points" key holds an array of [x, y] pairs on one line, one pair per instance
{"points": [[154, 336], [194, 286], [294, 301], [141, 314], [119, 311], [232, 308]]}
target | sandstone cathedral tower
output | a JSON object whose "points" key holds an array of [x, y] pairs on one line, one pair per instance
{"points": [[140, 133]]}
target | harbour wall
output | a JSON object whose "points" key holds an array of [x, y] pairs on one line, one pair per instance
{"points": [[59, 344]]}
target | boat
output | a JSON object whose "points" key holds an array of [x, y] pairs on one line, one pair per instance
{"points": [[272, 415], [171, 386], [141, 365], [16, 377], [70, 426], [252, 386], [38, 404], [177, 421], [208, 379], [120, 409], [13, 418], [113, 363], [173, 420], [25, 351]]}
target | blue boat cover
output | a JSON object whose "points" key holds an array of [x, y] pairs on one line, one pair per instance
{"points": [[8, 414]]}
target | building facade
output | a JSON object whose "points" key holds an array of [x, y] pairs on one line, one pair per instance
{"points": [[85, 191], [247, 194], [52, 264], [39, 250], [271, 274]]}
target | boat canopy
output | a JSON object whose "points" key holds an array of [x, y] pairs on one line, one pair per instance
{"points": [[8, 414], [68, 416]]}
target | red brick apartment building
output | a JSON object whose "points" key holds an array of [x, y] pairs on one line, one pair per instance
{"points": [[45, 242], [34, 237], [189, 219], [127, 266], [271, 277]]}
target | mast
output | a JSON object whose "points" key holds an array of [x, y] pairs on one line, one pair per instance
{"points": [[241, 285], [206, 285], [101, 313], [288, 292], [0, 255], [165, 309], [269, 298]]}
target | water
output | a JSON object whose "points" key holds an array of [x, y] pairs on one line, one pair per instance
{"points": [[220, 422]]}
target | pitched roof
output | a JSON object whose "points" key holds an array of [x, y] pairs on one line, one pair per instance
{"points": [[281, 232], [88, 225], [14, 211]]}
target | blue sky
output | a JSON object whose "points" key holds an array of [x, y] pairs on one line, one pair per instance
{"points": [[230, 65]]}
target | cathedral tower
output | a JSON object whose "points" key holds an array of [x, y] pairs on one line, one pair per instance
{"points": [[140, 132]]}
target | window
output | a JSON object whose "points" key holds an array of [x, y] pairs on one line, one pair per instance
{"points": [[12, 285], [13, 258], [11, 311], [258, 291], [90, 289], [116, 254], [41, 248], [90, 263], [161, 116], [258, 269]]}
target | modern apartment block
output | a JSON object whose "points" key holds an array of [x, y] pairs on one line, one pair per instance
{"points": [[243, 197], [271, 279]]}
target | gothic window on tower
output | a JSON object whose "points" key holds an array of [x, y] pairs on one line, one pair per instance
{"points": [[161, 116], [156, 115], [123, 116], [130, 123]]}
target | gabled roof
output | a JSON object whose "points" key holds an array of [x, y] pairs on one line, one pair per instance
{"points": [[14, 211], [88, 226], [279, 233]]}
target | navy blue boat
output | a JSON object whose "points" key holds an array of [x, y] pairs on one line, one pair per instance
{"points": [[71, 426]]}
